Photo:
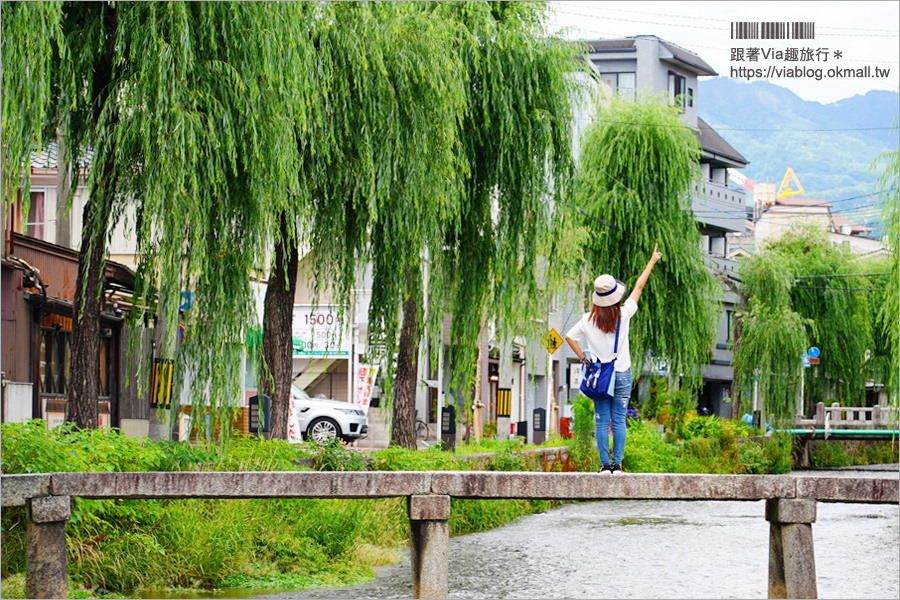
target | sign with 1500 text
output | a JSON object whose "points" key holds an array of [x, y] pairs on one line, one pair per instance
{"points": [[318, 332]]}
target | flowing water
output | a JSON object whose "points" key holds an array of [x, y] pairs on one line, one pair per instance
{"points": [[657, 549], [651, 549]]}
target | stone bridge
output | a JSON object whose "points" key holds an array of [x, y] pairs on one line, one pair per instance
{"points": [[790, 507]]}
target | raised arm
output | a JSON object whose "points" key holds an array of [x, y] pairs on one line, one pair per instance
{"points": [[642, 280]]}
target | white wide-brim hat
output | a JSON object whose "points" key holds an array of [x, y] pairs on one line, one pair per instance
{"points": [[608, 290]]}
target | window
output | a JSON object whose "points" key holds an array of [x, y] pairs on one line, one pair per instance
{"points": [[622, 84], [678, 89], [34, 227], [31, 224], [690, 97], [729, 319], [53, 355]]}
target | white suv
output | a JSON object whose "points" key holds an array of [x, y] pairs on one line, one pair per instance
{"points": [[322, 418]]}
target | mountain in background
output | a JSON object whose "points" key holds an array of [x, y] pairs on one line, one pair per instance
{"points": [[761, 120]]}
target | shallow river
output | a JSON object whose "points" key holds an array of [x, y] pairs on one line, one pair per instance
{"points": [[657, 549], [651, 549]]}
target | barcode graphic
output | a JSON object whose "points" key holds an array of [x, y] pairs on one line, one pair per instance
{"points": [[773, 30]]}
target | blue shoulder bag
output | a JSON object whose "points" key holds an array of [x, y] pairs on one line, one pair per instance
{"points": [[598, 379]]}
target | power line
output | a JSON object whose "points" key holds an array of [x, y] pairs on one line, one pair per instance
{"points": [[637, 124], [842, 275], [712, 211], [613, 36], [595, 16], [693, 18], [844, 289]]}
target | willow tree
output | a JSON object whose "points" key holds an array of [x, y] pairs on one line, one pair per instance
{"points": [[889, 313], [636, 175], [453, 105], [772, 337], [378, 162], [812, 293], [189, 126], [517, 149], [513, 142], [30, 33]]}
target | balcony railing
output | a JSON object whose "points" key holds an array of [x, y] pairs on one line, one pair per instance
{"points": [[719, 206]]}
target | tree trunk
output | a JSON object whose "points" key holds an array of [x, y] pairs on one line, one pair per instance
{"points": [[476, 401], [403, 431], [736, 338], [277, 342], [84, 357], [736, 342]]}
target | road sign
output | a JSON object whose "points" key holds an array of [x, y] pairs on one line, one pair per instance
{"points": [[814, 352], [813, 361], [805, 360], [552, 341]]}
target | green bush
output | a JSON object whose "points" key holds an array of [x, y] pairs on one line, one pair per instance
{"points": [[655, 400], [122, 546], [767, 455], [835, 453], [681, 402], [703, 427], [583, 449], [830, 454], [708, 455], [507, 456], [647, 451]]}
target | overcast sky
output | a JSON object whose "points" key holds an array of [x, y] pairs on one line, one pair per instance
{"points": [[866, 33]]}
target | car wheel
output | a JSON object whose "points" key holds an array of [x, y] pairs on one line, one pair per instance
{"points": [[322, 430]]}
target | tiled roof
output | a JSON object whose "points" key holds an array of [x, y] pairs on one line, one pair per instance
{"points": [[48, 157], [838, 221], [714, 143], [610, 45], [689, 58], [808, 202]]}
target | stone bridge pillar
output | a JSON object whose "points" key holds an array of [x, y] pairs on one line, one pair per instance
{"points": [[429, 545], [45, 553], [792, 564]]}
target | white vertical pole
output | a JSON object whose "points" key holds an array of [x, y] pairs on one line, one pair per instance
{"points": [[440, 374], [755, 394], [549, 379], [800, 399]]}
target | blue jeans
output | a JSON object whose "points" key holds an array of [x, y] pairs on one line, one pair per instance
{"points": [[613, 408]]}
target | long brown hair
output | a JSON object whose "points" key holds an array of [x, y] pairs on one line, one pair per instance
{"points": [[605, 318]]}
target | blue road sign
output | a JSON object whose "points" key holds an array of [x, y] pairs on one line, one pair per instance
{"points": [[814, 352], [805, 360]]}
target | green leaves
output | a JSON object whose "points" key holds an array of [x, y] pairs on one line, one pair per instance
{"points": [[772, 340], [31, 34], [637, 173], [889, 311], [805, 291], [442, 127]]}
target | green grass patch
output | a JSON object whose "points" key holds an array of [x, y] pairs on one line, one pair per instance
{"points": [[118, 547]]}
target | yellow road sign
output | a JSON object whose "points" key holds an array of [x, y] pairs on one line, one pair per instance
{"points": [[161, 386], [552, 341], [785, 190], [504, 402]]}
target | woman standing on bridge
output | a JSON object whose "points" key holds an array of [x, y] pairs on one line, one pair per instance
{"points": [[608, 316]]}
